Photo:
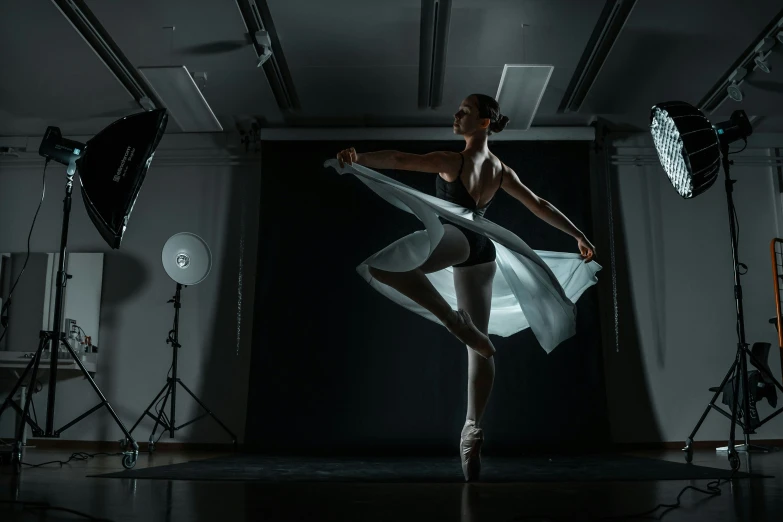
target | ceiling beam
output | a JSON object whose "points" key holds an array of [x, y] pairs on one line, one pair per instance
{"points": [[421, 134], [257, 17], [98, 39], [744, 65], [608, 28], [433, 43]]}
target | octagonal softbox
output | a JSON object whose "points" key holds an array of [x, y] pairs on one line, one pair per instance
{"points": [[112, 169], [687, 146]]}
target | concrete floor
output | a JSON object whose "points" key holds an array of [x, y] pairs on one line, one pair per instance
{"points": [[746, 500]]}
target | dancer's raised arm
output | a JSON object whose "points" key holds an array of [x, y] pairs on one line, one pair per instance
{"points": [[546, 212], [434, 162]]}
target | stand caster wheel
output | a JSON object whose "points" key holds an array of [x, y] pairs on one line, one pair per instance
{"points": [[688, 449], [151, 447], [734, 460], [128, 461]]}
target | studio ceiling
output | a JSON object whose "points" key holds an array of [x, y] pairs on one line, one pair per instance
{"points": [[355, 62]]}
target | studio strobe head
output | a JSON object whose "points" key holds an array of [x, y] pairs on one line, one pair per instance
{"points": [[186, 258]]}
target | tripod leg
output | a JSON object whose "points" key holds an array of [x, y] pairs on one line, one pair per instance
{"points": [[158, 421], [130, 456], [98, 392], [233, 437], [687, 449], [16, 457], [9, 400], [150, 406], [734, 461]]}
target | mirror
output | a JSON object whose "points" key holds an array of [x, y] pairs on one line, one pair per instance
{"points": [[32, 308]]}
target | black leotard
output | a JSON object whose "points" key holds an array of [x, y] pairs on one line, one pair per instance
{"points": [[481, 248]]}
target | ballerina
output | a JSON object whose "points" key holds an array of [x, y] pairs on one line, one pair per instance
{"points": [[412, 270]]}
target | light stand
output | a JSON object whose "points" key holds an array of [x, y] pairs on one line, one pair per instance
{"points": [[186, 259], [692, 151], [52, 339], [112, 166], [739, 369]]}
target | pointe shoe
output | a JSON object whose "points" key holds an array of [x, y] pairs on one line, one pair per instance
{"points": [[470, 450], [464, 330]]}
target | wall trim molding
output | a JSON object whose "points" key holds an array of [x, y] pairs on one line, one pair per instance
{"points": [[422, 134], [175, 150], [226, 150]]}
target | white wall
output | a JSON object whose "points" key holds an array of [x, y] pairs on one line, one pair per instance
{"points": [[679, 268], [218, 202]]}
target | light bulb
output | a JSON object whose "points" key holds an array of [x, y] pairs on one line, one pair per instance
{"points": [[183, 260]]}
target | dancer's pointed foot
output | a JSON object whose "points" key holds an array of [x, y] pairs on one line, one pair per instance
{"points": [[470, 443], [463, 329]]}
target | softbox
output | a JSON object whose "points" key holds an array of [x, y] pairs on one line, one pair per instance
{"points": [[689, 146], [113, 167]]}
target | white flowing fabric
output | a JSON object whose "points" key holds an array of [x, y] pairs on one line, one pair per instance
{"points": [[531, 288]]}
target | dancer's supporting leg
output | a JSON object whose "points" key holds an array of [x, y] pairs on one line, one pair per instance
{"points": [[474, 294]]}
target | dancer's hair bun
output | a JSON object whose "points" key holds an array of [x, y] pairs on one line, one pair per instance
{"points": [[500, 124]]}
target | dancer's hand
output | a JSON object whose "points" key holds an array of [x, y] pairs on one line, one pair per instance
{"points": [[586, 249], [348, 156]]}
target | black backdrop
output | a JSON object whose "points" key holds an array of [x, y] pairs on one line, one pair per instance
{"points": [[339, 369]]}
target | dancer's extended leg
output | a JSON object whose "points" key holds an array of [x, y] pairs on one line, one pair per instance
{"points": [[452, 250], [474, 294]]}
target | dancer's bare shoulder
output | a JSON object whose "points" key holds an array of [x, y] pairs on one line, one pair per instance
{"points": [[497, 165]]}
